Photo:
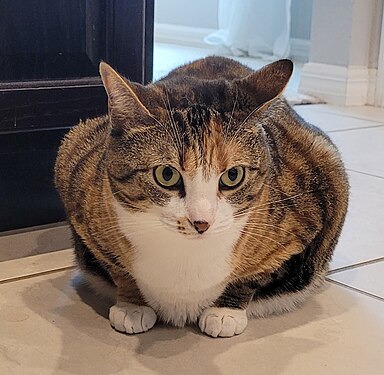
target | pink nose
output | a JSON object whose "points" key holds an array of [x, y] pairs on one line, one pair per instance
{"points": [[201, 226]]}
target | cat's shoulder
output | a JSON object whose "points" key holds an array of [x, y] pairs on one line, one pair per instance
{"points": [[84, 136], [90, 128]]}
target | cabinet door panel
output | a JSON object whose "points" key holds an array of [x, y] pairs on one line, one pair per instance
{"points": [[49, 57]]}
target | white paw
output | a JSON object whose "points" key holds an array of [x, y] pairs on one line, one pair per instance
{"points": [[223, 322], [130, 318]]}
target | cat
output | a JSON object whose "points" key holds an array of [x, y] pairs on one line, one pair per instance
{"points": [[202, 198]]}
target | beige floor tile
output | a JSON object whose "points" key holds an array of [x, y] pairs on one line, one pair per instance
{"points": [[330, 122], [368, 278], [366, 112], [362, 149], [362, 237], [48, 328]]}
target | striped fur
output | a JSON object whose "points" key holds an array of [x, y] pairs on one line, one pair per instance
{"points": [[269, 240]]}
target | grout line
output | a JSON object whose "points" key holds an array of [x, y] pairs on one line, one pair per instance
{"points": [[355, 289], [37, 274], [357, 128], [352, 266], [365, 173], [356, 117]]}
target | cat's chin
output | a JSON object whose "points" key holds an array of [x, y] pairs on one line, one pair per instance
{"points": [[193, 235], [190, 236], [185, 234]]}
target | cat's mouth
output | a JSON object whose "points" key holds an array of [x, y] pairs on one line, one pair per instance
{"points": [[184, 227], [191, 230]]}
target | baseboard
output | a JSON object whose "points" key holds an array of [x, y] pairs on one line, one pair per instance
{"points": [[339, 85], [194, 37], [372, 81], [300, 49], [34, 241], [182, 35]]}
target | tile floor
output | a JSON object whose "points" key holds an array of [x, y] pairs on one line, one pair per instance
{"points": [[51, 325]]}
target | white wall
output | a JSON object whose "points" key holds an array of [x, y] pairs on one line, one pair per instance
{"points": [[343, 60], [301, 18], [204, 14], [346, 32], [191, 13]]}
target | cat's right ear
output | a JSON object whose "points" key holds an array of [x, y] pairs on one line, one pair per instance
{"points": [[266, 84], [125, 108]]}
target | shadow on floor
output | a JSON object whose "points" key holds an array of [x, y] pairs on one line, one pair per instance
{"points": [[90, 345]]}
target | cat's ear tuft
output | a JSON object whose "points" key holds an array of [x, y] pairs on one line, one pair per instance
{"points": [[266, 84], [125, 108]]}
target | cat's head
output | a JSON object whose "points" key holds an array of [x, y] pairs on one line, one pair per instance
{"points": [[190, 152]]}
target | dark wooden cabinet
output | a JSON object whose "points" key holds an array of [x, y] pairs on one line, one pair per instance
{"points": [[49, 56]]}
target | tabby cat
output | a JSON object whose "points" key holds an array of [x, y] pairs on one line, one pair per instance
{"points": [[202, 198]]}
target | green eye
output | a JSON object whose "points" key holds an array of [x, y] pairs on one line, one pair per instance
{"points": [[232, 178], [166, 176]]}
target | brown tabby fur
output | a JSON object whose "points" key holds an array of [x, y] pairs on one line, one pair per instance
{"points": [[213, 112]]}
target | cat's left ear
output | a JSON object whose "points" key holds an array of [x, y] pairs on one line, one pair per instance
{"points": [[266, 84], [125, 107]]}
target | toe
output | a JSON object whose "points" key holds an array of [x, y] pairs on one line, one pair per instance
{"points": [[148, 319], [135, 320], [228, 327], [131, 318], [213, 325], [223, 322], [117, 318]]}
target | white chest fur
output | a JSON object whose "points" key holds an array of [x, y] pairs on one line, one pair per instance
{"points": [[178, 276]]}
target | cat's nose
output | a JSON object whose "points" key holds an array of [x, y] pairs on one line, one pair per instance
{"points": [[201, 226]]}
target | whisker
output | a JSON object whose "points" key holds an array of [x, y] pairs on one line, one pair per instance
{"points": [[274, 188], [133, 225], [220, 229], [259, 230], [234, 107], [243, 212], [240, 126], [231, 116], [257, 239], [281, 200], [260, 235], [258, 225], [133, 232], [171, 119], [255, 209]]}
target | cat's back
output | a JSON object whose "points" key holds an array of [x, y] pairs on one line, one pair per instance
{"points": [[210, 68]]}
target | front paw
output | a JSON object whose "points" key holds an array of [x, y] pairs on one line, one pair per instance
{"points": [[223, 322], [130, 318]]}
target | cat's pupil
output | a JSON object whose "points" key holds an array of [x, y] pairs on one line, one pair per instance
{"points": [[167, 174], [232, 174]]}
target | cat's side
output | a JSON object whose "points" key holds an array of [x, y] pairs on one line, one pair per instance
{"points": [[202, 197]]}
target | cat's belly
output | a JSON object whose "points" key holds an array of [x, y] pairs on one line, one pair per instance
{"points": [[182, 306]]}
